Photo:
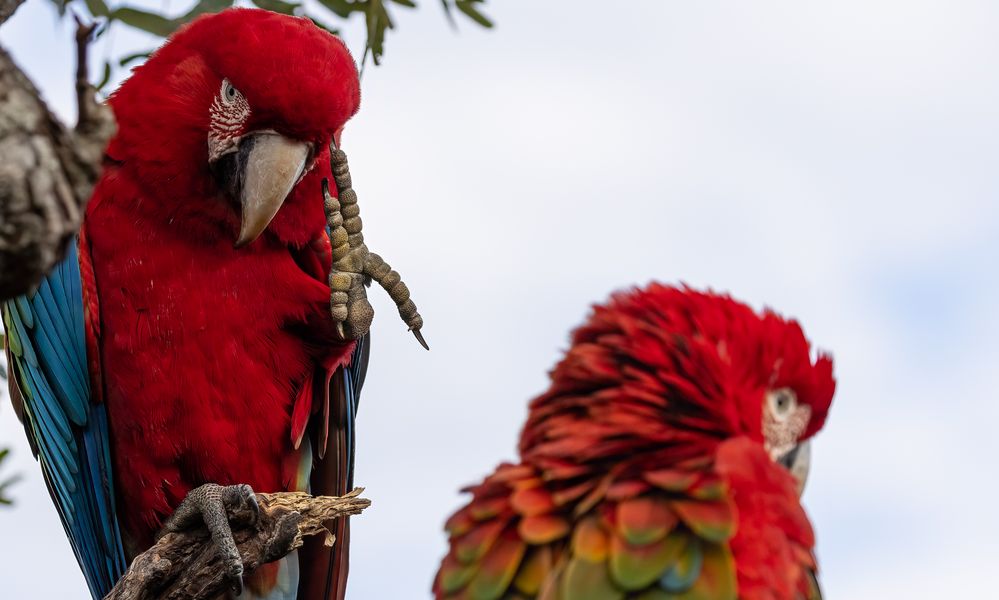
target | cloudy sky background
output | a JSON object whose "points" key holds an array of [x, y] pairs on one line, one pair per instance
{"points": [[834, 160]]}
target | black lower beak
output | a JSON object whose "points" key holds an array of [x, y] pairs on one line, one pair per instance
{"points": [[798, 461], [228, 169], [259, 175]]}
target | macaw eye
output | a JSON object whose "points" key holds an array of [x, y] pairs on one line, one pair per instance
{"points": [[782, 403], [229, 93]]}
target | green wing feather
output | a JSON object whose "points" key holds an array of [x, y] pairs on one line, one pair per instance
{"points": [[660, 537], [669, 542]]}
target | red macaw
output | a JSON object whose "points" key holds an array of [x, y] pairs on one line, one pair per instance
{"points": [[187, 338], [664, 462]]}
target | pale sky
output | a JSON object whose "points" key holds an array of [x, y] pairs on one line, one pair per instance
{"points": [[833, 160]]}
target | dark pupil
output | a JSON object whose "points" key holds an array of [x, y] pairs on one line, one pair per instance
{"points": [[781, 401], [231, 92]]}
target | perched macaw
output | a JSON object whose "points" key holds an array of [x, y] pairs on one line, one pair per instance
{"points": [[187, 337], [664, 462]]}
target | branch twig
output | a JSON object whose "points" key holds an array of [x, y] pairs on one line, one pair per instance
{"points": [[94, 122], [187, 565], [7, 8]]}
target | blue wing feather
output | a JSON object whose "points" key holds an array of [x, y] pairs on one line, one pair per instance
{"points": [[58, 433], [60, 374], [47, 342], [57, 329], [24, 310]]}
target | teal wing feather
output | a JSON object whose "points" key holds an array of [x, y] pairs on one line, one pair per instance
{"points": [[50, 381]]}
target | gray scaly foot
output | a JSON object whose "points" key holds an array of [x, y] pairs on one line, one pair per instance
{"points": [[212, 504]]}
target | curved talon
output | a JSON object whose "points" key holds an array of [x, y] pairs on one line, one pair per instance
{"points": [[419, 338], [243, 495], [213, 504]]}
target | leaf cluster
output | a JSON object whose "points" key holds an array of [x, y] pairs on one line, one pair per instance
{"points": [[5, 452], [5, 484], [377, 15]]}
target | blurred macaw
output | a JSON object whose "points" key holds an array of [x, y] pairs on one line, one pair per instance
{"points": [[664, 462], [187, 338]]}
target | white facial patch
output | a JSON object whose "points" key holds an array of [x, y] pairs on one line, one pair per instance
{"points": [[227, 120], [783, 421]]}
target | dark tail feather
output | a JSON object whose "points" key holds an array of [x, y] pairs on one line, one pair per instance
{"points": [[340, 565], [324, 570]]}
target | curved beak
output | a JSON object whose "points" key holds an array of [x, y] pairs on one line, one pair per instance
{"points": [[798, 460], [260, 174]]}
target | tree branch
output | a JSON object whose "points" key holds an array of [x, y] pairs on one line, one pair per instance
{"points": [[7, 8], [46, 172], [188, 566]]}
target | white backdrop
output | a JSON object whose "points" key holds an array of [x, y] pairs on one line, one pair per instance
{"points": [[834, 160]]}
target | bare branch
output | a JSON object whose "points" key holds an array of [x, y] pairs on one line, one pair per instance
{"points": [[7, 8], [188, 566], [95, 121]]}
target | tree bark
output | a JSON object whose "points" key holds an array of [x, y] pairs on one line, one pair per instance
{"points": [[46, 171], [187, 566], [7, 8]]}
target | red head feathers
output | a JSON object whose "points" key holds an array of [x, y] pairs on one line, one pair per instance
{"points": [[221, 86], [668, 366], [657, 465]]}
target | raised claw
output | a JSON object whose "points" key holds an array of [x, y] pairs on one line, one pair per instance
{"points": [[349, 305], [213, 505], [354, 266]]}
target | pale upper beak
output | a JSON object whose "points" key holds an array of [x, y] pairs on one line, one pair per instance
{"points": [[260, 174], [798, 460]]}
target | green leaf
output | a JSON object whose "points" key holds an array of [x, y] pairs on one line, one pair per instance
{"points": [[408, 3], [202, 7], [324, 26], [342, 8], [61, 6], [278, 6], [4, 500], [468, 7], [146, 21], [131, 58], [378, 22], [105, 78], [8, 482], [157, 24], [98, 8]]}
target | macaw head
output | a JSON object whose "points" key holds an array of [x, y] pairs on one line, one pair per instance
{"points": [[666, 371], [239, 106]]}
